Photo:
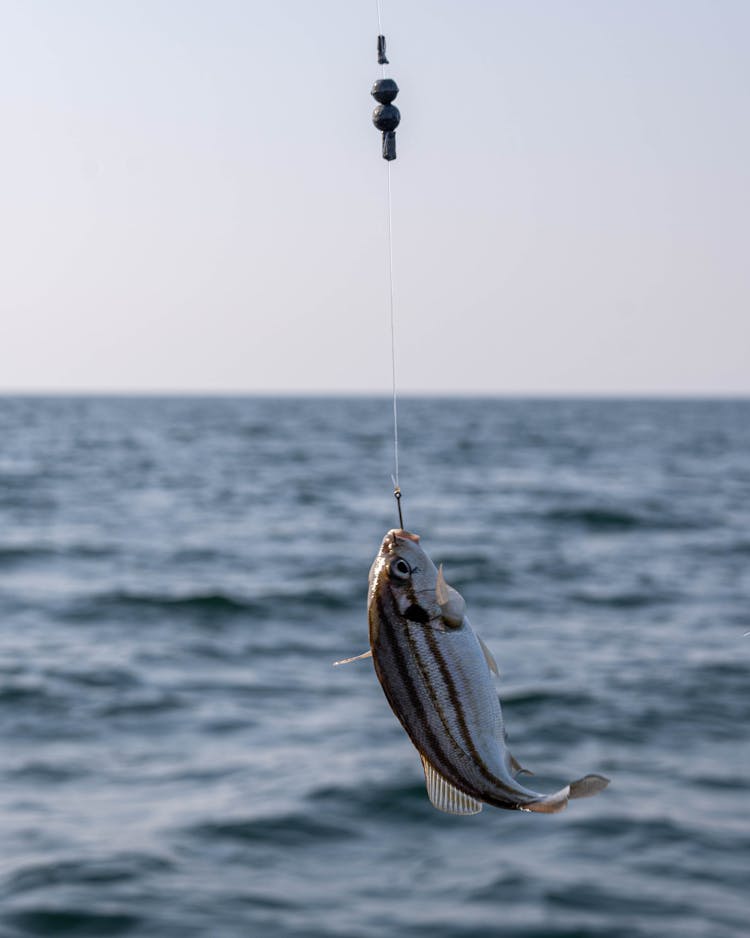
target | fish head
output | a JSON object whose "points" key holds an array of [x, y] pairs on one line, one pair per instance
{"points": [[415, 588]]}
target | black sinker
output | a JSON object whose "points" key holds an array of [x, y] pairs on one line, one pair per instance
{"points": [[416, 613]]}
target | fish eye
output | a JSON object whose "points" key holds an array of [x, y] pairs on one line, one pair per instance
{"points": [[400, 569]]}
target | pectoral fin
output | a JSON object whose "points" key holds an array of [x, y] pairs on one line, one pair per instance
{"points": [[451, 602], [446, 797], [365, 654]]}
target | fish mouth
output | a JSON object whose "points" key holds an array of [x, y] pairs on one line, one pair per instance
{"points": [[390, 541]]}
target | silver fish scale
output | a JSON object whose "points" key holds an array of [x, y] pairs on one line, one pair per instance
{"points": [[455, 672]]}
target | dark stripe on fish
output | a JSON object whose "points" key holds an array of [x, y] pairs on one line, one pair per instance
{"points": [[469, 743], [393, 649], [430, 688]]}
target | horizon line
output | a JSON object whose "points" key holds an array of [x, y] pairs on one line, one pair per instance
{"points": [[328, 393]]}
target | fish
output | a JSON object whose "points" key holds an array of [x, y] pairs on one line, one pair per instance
{"points": [[438, 677]]}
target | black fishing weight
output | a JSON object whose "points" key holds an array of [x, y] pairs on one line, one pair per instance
{"points": [[386, 115]]}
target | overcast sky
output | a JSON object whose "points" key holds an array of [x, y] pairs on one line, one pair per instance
{"points": [[193, 196]]}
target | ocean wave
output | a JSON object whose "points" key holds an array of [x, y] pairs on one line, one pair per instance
{"points": [[596, 518], [47, 773], [44, 920], [634, 599], [539, 698], [221, 604], [719, 782], [200, 602], [30, 696], [550, 929], [383, 800], [592, 897], [99, 677], [153, 703], [44, 549], [511, 884], [285, 830], [11, 554], [120, 868], [637, 835]]}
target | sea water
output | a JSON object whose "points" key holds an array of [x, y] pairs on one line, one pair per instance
{"points": [[179, 758]]}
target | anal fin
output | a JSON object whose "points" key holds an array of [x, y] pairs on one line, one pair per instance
{"points": [[516, 767], [446, 797]]}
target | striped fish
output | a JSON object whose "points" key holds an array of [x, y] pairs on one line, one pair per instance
{"points": [[437, 676]]}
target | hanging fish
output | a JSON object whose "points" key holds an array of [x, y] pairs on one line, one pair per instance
{"points": [[437, 676]]}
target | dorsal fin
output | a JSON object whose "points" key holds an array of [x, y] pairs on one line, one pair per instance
{"points": [[489, 658], [446, 797]]}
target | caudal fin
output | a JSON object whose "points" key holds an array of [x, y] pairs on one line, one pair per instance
{"points": [[581, 788], [587, 786]]}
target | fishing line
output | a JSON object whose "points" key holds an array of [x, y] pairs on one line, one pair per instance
{"points": [[396, 486], [386, 118]]}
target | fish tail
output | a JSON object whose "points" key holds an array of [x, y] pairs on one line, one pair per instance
{"points": [[549, 804], [581, 788], [587, 786]]}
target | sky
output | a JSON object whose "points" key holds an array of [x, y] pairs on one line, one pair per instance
{"points": [[193, 197]]}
